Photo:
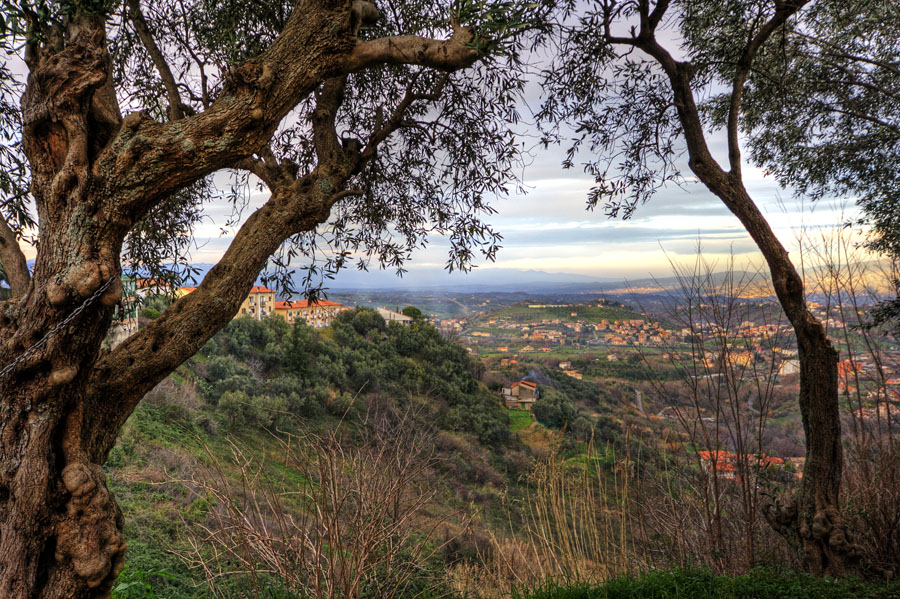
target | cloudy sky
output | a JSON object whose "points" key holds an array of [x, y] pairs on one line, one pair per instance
{"points": [[549, 228]]}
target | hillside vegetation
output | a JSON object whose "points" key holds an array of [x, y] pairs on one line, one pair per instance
{"points": [[278, 443], [259, 391]]}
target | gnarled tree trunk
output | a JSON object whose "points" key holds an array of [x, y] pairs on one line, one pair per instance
{"points": [[60, 530]]}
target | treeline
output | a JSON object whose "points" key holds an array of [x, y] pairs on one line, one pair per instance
{"points": [[269, 373]]}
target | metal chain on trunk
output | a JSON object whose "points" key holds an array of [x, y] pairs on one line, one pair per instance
{"points": [[53, 332]]}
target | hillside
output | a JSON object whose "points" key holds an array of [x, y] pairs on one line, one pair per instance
{"points": [[530, 311], [297, 429], [261, 384]]}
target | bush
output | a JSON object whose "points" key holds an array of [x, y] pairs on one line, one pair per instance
{"points": [[235, 406], [150, 313], [554, 409]]}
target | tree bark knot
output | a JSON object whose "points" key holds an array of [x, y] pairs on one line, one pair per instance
{"points": [[828, 547], [90, 533], [783, 518], [63, 81]]}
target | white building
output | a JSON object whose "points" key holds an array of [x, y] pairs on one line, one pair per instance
{"points": [[391, 316]]}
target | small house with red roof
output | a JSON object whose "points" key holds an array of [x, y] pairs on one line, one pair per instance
{"points": [[724, 464]]}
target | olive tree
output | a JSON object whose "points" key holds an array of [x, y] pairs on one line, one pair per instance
{"points": [[645, 82], [823, 114], [370, 127]]}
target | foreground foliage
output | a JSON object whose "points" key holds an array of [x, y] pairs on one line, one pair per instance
{"points": [[703, 584]]}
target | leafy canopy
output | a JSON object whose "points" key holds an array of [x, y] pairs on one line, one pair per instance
{"points": [[452, 153]]}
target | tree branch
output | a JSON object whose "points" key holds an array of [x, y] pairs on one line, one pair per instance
{"points": [[447, 55], [383, 131], [148, 160], [325, 138], [133, 368], [658, 12], [267, 168], [159, 60], [13, 260], [783, 11]]}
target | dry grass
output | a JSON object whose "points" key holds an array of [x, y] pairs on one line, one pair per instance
{"points": [[336, 520], [571, 526]]}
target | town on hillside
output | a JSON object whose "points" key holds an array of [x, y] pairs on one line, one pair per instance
{"points": [[260, 303]]}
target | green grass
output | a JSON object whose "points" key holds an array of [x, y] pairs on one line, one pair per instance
{"points": [[703, 584], [519, 420]]}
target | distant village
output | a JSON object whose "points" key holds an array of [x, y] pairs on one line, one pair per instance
{"points": [[260, 303], [753, 348], [750, 343], [510, 339]]}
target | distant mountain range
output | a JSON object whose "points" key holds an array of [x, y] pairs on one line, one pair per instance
{"points": [[435, 280], [502, 280], [478, 279]]}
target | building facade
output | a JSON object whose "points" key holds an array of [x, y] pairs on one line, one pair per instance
{"points": [[259, 303], [521, 395], [391, 316], [317, 314]]}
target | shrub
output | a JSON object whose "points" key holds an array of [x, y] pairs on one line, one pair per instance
{"points": [[554, 409], [150, 313]]}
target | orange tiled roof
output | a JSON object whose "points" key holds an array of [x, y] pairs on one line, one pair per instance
{"points": [[289, 305], [260, 289], [716, 456]]}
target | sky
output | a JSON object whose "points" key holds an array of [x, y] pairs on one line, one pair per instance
{"points": [[548, 228]]}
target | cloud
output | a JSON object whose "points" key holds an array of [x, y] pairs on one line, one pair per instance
{"points": [[550, 228]]}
